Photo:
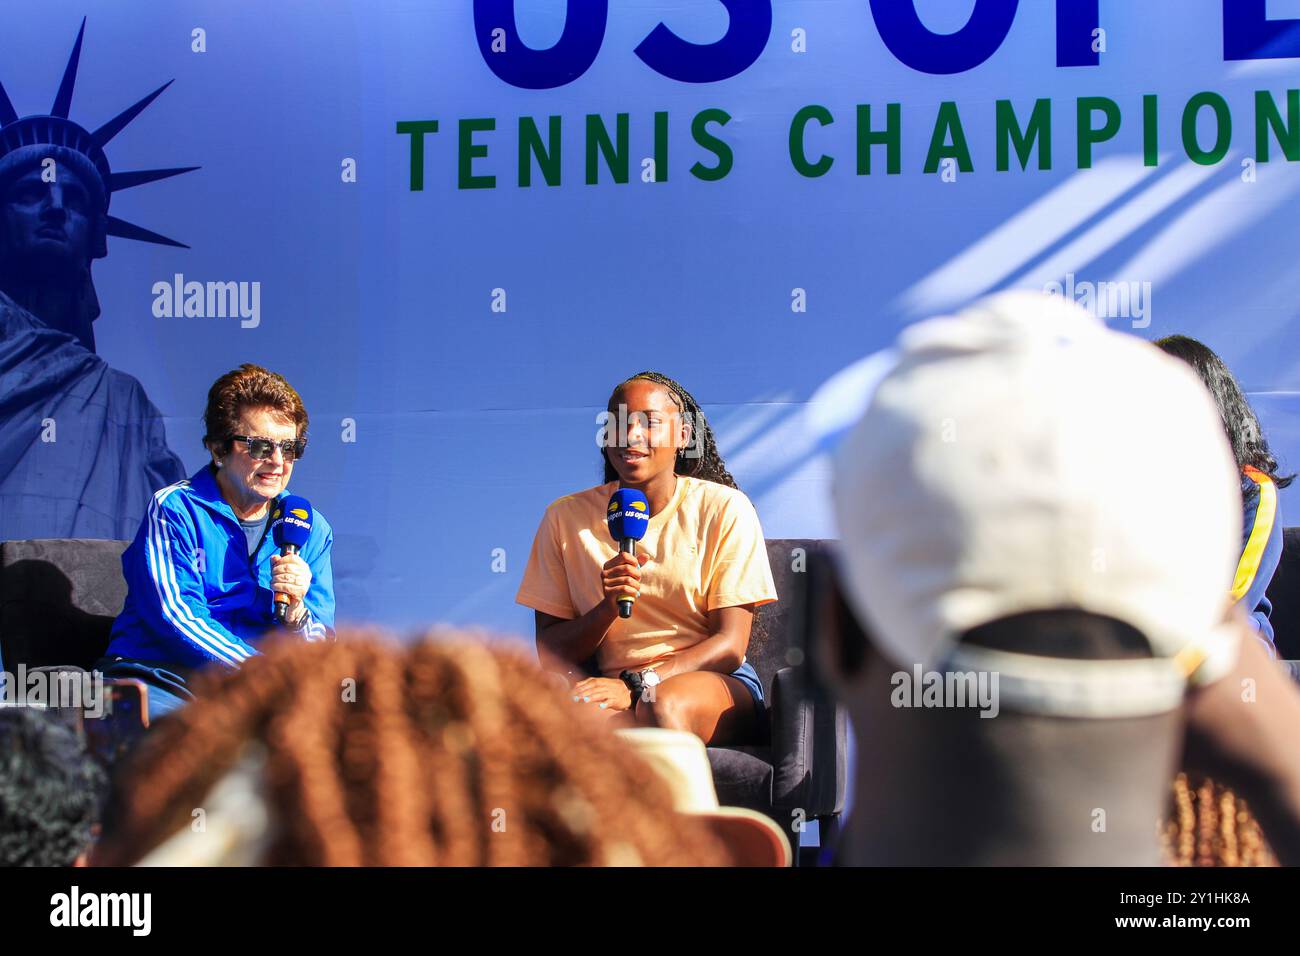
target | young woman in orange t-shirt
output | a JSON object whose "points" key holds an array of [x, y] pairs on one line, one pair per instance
{"points": [[697, 577]]}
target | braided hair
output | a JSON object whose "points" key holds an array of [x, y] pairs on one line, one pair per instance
{"points": [[445, 753], [1211, 826], [707, 465]]}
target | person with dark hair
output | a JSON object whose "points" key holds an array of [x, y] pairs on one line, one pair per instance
{"points": [[1261, 534], [700, 572], [366, 752], [50, 790], [1209, 824], [203, 569], [994, 562]]}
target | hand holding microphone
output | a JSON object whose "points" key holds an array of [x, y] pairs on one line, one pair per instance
{"points": [[290, 580], [621, 577], [290, 575], [628, 517]]}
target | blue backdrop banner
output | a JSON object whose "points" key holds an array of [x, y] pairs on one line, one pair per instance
{"points": [[455, 226]]}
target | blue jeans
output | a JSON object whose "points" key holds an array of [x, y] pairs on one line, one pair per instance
{"points": [[168, 690]]}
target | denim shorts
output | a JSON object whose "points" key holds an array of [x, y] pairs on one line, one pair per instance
{"points": [[746, 674]]}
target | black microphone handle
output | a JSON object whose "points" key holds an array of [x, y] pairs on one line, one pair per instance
{"points": [[627, 546], [282, 608]]}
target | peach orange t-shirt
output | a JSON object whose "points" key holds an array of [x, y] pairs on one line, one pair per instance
{"points": [[706, 551]]}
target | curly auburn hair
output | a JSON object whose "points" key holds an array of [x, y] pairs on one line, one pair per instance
{"points": [[1209, 825], [443, 741], [708, 464], [249, 386]]}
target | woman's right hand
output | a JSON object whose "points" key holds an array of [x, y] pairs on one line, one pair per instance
{"points": [[621, 577]]}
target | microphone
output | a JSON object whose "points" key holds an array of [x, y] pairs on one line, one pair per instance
{"points": [[290, 527], [628, 517]]}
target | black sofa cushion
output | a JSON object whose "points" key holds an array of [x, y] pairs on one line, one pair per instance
{"points": [[742, 776], [775, 774], [776, 640], [58, 599]]}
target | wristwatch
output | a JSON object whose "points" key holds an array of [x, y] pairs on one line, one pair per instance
{"points": [[634, 684], [638, 681]]}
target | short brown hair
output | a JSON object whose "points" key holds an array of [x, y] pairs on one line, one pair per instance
{"points": [[249, 386]]}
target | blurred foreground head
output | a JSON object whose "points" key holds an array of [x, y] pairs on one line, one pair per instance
{"points": [[364, 752], [1045, 511], [50, 790], [1022, 457]]}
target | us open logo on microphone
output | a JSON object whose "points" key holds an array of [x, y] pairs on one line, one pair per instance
{"points": [[297, 517], [628, 515], [631, 518], [638, 505]]}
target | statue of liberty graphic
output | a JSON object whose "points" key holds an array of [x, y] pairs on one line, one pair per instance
{"points": [[82, 448]]}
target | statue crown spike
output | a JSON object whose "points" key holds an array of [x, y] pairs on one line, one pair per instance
{"points": [[22, 138]]}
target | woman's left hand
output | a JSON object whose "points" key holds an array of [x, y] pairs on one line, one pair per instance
{"points": [[609, 691], [290, 575]]}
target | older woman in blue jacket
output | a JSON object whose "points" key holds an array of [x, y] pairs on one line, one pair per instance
{"points": [[203, 569]]}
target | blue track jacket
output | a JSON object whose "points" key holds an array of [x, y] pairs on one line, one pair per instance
{"points": [[195, 596]]}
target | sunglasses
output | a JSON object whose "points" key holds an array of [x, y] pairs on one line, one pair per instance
{"points": [[260, 449]]}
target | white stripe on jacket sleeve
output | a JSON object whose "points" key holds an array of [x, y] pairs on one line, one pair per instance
{"points": [[163, 572]]}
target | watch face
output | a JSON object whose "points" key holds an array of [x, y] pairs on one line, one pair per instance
{"points": [[650, 678]]}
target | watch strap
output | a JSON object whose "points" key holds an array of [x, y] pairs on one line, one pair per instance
{"points": [[635, 684]]}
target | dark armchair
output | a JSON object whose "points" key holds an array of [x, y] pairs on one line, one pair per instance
{"points": [[58, 599], [1284, 593], [797, 772]]}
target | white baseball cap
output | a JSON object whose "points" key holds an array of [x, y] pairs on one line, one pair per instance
{"points": [[679, 757], [1020, 456]]}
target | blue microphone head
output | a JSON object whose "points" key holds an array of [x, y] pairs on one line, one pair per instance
{"points": [[628, 514], [291, 522]]}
